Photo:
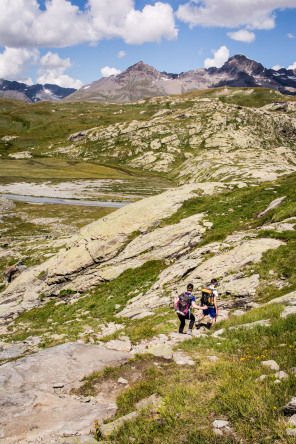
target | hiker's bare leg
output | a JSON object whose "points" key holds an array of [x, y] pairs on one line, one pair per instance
{"points": [[200, 318]]}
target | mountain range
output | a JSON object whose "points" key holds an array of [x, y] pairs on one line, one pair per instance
{"points": [[140, 81], [33, 93]]}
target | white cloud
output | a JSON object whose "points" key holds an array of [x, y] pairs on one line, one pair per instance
{"points": [[277, 67], [292, 66], [221, 55], [52, 69], [62, 24], [151, 25], [242, 36], [107, 71], [255, 14], [14, 62], [121, 54], [291, 36]]}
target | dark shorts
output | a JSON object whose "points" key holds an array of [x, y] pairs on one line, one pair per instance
{"points": [[210, 311]]}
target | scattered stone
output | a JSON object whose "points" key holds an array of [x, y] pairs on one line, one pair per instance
{"points": [[218, 432], [74, 440], [21, 155], [289, 310], [60, 303], [213, 358], [122, 381], [238, 312], [164, 351], [263, 322], [34, 340], [152, 401], [219, 424], [290, 408], [119, 345], [261, 378], [182, 359], [117, 306], [271, 364], [272, 206], [292, 421], [58, 385], [108, 429], [218, 332], [291, 432], [281, 375], [293, 370]]}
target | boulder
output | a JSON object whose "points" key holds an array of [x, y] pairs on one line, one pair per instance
{"points": [[219, 424], [161, 350], [281, 375], [272, 206], [152, 401], [107, 429], [290, 408], [12, 272], [271, 364]]}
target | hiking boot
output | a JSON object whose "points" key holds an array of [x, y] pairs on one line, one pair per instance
{"points": [[181, 331], [189, 332]]}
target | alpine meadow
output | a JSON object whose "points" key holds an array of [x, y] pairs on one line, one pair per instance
{"points": [[161, 192]]}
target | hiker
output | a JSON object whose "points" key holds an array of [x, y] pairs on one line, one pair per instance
{"points": [[209, 303], [183, 304]]}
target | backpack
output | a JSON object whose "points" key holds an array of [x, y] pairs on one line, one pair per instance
{"points": [[183, 304], [207, 297]]}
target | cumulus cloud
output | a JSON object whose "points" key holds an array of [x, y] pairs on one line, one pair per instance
{"points": [[242, 36], [292, 66], [52, 70], [291, 36], [255, 14], [14, 62], [277, 67], [221, 55], [151, 25], [62, 24], [107, 71], [121, 54]]}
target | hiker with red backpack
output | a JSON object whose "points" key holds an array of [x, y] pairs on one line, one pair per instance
{"points": [[183, 304], [209, 303]]}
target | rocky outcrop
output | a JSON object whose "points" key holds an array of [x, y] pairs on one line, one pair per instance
{"points": [[128, 238], [102, 250], [36, 390], [216, 141], [12, 272]]}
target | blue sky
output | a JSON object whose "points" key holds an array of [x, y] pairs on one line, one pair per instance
{"points": [[74, 42]]}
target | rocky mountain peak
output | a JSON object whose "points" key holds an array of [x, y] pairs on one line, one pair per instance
{"points": [[240, 62], [141, 68]]}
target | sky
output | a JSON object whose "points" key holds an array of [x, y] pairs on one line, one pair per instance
{"points": [[74, 42]]}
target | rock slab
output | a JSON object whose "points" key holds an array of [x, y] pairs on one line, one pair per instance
{"points": [[33, 407]]}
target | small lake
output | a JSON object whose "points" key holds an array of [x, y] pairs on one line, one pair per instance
{"points": [[56, 200]]}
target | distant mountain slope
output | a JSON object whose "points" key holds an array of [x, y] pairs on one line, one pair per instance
{"points": [[140, 81], [33, 93]]}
